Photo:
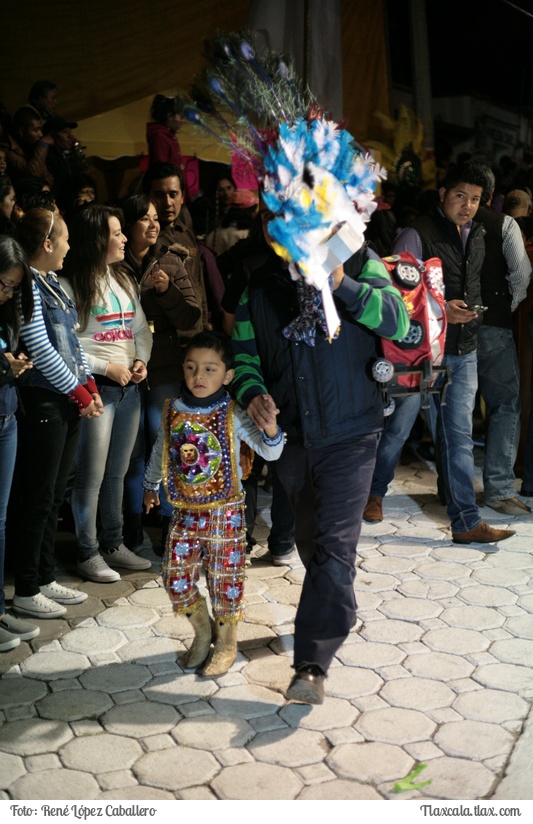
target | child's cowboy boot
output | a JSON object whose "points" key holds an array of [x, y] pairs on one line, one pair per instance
{"points": [[203, 635], [224, 652]]}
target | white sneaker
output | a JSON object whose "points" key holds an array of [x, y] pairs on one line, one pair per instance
{"points": [[38, 606], [22, 630], [63, 595], [95, 569], [7, 641], [122, 557]]}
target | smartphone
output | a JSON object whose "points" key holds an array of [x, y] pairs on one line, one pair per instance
{"points": [[478, 308]]}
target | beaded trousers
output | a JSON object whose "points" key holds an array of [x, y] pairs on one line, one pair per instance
{"points": [[215, 539]]}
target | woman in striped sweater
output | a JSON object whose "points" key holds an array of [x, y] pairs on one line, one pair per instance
{"points": [[56, 394]]}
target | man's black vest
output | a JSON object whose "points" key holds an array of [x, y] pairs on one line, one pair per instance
{"points": [[494, 288], [461, 272]]}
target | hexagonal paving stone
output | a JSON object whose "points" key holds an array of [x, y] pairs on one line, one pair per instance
{"points": [[427, 589], [486, 596], [252, 636], [513, 651], [137, 793], [174, 626], [150, 652], [388, 565], [493, 706], [332, 714], [176, 768], [127, 617], [439, 666], [272, 615], [141, 719], [100, 753], [184, 689], [11, 769], [289, 748], [395, 726], [410, 609], [352, 682], [256, 782], [504, 677], [73, 705], [154, 597], [417, 694], [456, 641], [444, 570], [457, 778], [521, 625], [501, 577], [212, 733], [368, 600], [247, 701], [372, 762], [271, 671], [374, 582], [370, 655], [339, 790], [93, 640], [475, 740], [116, 677], [477, 618], [284, 592], [526, 602], [49, 665], [56, 785], [391, 632], [31, 736], [405, 550], [15, 692]]}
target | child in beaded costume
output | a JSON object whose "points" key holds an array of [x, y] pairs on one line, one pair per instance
{"points": [[197, 453]]}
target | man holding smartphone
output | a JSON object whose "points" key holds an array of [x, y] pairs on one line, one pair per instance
{"points": [[449, 233]]}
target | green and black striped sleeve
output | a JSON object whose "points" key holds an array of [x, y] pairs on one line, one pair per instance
{"points": [[248, 381], [373, 301]]}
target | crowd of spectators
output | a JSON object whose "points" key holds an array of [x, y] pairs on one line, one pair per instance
{"points": [[96, 304]]}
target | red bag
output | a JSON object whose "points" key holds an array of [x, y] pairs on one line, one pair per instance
{"points": [[422, 290]]}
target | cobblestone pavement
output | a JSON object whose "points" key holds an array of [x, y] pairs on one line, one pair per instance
{"points": [[438, 671]]}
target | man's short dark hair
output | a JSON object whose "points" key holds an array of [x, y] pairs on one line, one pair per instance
{"points": [[24, 117], [159, 171], [221, 344], [472, 172]]}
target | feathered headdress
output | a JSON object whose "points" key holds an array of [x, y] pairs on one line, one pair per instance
{"points": [[315, 179]]}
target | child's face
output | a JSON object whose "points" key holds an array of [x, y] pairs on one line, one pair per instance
{"points": [[3, 162], [205, 372]]}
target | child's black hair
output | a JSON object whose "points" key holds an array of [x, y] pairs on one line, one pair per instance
{"points": [[221, 344]]}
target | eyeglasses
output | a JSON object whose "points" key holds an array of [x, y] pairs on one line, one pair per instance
{"points": [[8, 287]]}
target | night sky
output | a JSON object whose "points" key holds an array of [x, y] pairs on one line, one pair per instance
{"points": [[483, 47]]}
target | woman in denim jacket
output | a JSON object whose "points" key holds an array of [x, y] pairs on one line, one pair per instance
{"points": [[56, 394]]}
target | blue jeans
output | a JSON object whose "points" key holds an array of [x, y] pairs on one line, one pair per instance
{"points": [[8, 453], [152, 404], [456, 448], [102, 461], [499, 384], [394, 435]]}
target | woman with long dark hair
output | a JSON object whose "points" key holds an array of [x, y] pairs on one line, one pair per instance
{"points": [[56, 394], [169, 303], [117, 339], [15, 278]]}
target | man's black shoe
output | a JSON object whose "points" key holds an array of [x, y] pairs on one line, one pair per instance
{"points": [[307, 685]]}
